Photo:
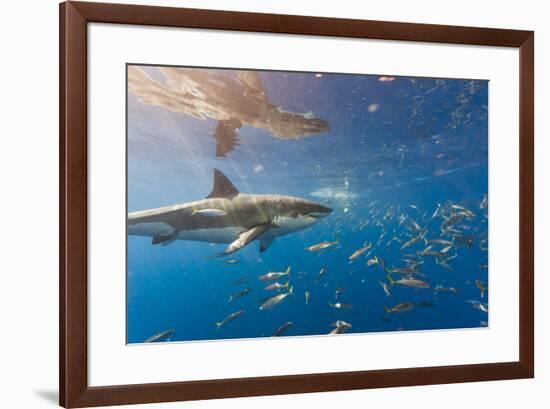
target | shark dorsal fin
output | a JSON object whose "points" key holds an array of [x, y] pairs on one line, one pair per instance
{"points": [[223, 188]]}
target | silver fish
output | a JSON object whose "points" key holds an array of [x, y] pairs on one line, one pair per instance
{"points": [[401, 307], [340, 327], [282, 329], [229, 318], [341, 306], [274, 275], [273, 301], [359, 252], [322, 246], [240, 294], [164, 336]]}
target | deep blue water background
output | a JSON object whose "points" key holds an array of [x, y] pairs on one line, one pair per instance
{"points": [[425, 144]]}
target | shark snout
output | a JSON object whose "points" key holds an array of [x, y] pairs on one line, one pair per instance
{"points": [[320, 211]]}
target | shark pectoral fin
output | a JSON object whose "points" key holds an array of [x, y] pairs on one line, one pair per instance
{"points": [[226, 136], [265, 242], [165, 239], [245, 238]]}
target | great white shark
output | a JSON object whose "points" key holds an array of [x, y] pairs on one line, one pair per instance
{"points": [[227, 216]]}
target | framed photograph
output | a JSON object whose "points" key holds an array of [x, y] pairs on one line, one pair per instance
{"points": [[255, 204]]}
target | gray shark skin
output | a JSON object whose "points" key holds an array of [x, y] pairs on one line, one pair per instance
{"points": [[227, 216]]}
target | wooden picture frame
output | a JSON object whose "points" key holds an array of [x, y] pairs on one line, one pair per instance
{"points": [[73, 330]]}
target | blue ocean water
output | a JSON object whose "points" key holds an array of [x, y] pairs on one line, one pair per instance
{"points": [[398, 149]]}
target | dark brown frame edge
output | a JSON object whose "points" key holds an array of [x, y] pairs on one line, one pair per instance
{"points": [[73, 382]]}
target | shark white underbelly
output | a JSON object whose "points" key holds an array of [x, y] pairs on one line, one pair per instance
{"points": [[212, 235]]}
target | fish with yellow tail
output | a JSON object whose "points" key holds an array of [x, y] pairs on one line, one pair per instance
{"points": [[274, 275], [408, 282], [359, 252], [277, 286], [323, 246], [482, 287], [373, 261], [273, 301]]}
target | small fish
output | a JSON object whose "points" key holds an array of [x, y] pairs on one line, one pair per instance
{"points": [[478, 305], [381, 263], [483, 245], [405, 270], [307, 295], [426, 304], [451, 220], [444, 264], [339, 291], [164, 336], [452, 290], [242, 280], [322, 246], [229, 318], [358, 253], [322, 272], [463, 211], [277, 286], [451, 258], [482, 287], [446, 249], [428, 252], [437, 211], [394, 238], [232, 261], [340, 327], [451, 231], [438, 241], [401, 307], [341, 306], [484, 202], [372, 262], [385, 287], [209, 212], [413, 241], [409, 282], [282, 328], [274, 275], [240, 294], [415, 226], [273, 301]]}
